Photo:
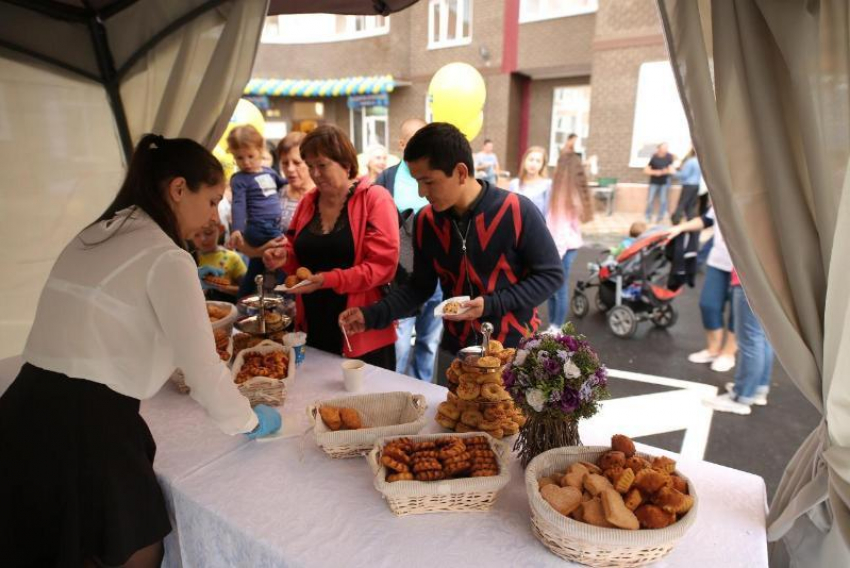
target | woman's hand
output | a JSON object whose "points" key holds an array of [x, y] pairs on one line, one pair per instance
{"points": [[317, 282], [474, 310], [352, 321], [236, 241], [275, 256]]}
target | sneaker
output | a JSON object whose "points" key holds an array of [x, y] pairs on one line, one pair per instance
{"points": [[723, 364], [726, 403], [552, 330], [703, 356], [759, 399]]}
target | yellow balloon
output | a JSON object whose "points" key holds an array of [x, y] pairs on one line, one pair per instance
{"points": [[472, 128], [244, 113], [458, 93]]}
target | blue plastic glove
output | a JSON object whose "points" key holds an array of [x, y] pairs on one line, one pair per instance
{"points": [[204, 271], [269, 422]]}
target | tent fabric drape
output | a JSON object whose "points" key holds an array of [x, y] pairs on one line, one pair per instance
{"points": [[771, 126], [59, 147]]}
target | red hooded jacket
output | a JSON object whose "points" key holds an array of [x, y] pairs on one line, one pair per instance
{"points": [[374, 225]]}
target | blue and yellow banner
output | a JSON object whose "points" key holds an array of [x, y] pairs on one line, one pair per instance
{"points": [[370, 85]]}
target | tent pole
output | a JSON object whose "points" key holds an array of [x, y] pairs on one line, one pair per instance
{"points": [[110, 82]]}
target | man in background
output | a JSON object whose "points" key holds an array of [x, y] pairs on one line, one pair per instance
{"points": [[486, 163]]}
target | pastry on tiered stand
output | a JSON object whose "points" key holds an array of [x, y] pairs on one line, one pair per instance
{"points": [[477, 399]]}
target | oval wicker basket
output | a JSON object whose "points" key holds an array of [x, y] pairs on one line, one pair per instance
{"points": [[383, 414], [588, 544], [265, 390], [466, 494]]}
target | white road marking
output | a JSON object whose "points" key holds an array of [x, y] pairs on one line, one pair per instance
{"points": [[658, 413]]}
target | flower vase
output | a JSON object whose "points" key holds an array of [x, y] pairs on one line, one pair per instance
{"points": [[545, 431]]}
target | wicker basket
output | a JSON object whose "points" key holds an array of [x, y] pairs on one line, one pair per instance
{"points": [[265, 390], [383, 414], [588, 544], [179, 379], [227, 321], [462, 495]]}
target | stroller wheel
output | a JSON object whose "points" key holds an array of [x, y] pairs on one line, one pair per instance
{"points": [[579, 305], [622, 321], [665, 316]]}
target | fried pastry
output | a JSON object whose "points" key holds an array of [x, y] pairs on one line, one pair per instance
{"points": [[445, 421], [449, 409], [397, 454], [494, 347], [400, 477], [636, 463], [472, 418], [431, 475], [591, 467], [394, 464], [507, 355], [489, 379], [492, 391], [621, 443], [350, 418], [291, 281], [303, 273], [451, 307], [455, 468], [494, 412], [651, 480], [468, 391], [462, 428], [673, 501], [623, 481], [427, 464], [679, 484], [664, 463], [593, 513], [611, 459], [654, 517], [510, 427], [616, 511], [565, 500], [596, 483], [498, 433], [489, 362], [331, 417], [633, 499], [574, 477]]}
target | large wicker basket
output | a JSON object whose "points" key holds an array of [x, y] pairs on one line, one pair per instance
{"points": [[265, 390], [587, 544], [382, 414], [451, 495]]}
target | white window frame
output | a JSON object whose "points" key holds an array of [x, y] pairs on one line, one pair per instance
{"points": [[361, 115], [553, 9], [372, 29], [583, 130], [443, 42]]}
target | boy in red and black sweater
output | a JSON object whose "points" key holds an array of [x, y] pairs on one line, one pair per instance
{"points": [[478, 240]]}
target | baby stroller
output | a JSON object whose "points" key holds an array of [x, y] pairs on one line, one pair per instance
{"points": [[629, 287]]}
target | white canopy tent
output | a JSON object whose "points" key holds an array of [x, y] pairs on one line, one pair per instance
{"points": [[81, 81]]}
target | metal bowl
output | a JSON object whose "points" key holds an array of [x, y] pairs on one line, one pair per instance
{"points": [[251, 325]]}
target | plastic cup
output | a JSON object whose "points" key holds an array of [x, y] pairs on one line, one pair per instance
{"points": [[297, 341], [352, 374]]}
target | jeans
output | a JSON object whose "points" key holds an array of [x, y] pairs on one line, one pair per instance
{"points": [[704, 251], [755, 355], [256, 234], [661, 190], [559, 303], [715, 294], [428, 332]]}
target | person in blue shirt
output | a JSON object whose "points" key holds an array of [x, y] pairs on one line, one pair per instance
{"points": [[256, 199], [689, 176], [405, 192]]}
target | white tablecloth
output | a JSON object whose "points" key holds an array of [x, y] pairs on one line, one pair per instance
{"points": [[285, 503]]}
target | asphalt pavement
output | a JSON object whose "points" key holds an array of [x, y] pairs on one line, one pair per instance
{"points": [[761, 443]]}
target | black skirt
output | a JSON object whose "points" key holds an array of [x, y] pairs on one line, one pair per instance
{"points": [[76, 474]]}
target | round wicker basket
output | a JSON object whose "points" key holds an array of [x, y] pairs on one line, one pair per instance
{"points": [[588, 544]]}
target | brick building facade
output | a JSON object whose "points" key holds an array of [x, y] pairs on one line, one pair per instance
{"points": [[529, 64]]}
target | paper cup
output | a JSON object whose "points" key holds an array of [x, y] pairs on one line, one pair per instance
{"points": [[297, 341], [352, 374]]}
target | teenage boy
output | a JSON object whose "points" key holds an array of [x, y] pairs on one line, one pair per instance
{"points": [[478, 241], [418, 361]]}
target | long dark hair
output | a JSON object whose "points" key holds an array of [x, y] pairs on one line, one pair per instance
{"points": [[155, 162]]}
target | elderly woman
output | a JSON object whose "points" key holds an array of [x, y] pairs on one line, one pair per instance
{"points": [[346, 235]]}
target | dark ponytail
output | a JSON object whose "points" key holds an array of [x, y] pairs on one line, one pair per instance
{"points": [[155, 162]]}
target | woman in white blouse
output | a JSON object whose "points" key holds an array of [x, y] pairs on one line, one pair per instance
{"points": [[121, 310]]}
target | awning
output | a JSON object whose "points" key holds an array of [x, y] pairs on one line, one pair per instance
{"points": [[372, 85]]}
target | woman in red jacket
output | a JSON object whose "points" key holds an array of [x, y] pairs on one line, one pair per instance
{"points": [[346, 233]]}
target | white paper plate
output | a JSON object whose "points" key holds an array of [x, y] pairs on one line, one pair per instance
{"points": [[283, 288], [438, 311]]}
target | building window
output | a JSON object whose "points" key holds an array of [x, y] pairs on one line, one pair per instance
{"points": [[570, 114], [536, 10], [320, 28], [449, 23], [659, 116], [370, 125]]}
